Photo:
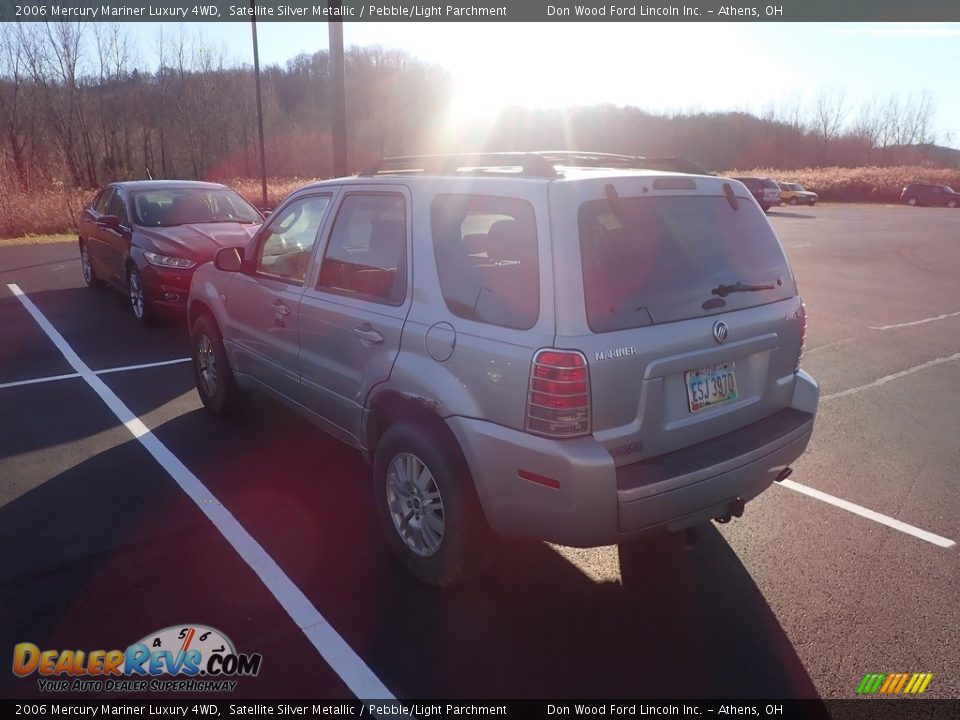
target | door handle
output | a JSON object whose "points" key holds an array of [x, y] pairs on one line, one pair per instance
{"points": [[368, 334], [280, 308]]}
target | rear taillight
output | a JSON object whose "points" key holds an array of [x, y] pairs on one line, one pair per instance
{"points": [[558, 403], [803, 333]]}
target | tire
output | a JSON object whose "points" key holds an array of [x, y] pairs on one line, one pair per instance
{"points": [[793, 201], [911, 200], [137, 297], [952, 204], [455, 543], [812, 203], [212, 375], [86, 267]]}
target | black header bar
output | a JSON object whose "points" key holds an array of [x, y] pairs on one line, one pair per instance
{"points": [[482, 10]]}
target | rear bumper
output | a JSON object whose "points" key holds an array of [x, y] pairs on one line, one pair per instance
{"points": [[571, 493]]}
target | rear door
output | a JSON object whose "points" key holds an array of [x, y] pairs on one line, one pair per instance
{"points": [[351, 319], [688, 313], [116, 241], [95, 234]]}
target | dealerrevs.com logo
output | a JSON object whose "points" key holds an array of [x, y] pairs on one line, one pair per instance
{"points": [[197, 657]]}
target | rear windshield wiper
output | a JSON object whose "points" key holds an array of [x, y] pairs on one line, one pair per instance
{"points": [[724, 290]]}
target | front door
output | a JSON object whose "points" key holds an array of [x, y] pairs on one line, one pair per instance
{"points": [[264, 302]]}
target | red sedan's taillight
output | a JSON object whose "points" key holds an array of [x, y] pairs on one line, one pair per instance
{"points": [[803, 333], [558, 403]]}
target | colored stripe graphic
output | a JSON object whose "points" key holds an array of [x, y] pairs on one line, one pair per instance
{"points": [[894, 683]]}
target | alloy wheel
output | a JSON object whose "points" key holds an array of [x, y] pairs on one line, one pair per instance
{"points": [[415, 505], [207, 365]]}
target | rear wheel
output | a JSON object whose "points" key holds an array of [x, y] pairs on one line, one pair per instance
{"points": [[211, 370], [793, 201], [952, 204], [911, 201], [86, 266], [427, 506]]}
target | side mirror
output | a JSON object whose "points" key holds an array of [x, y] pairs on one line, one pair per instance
{"points": [[228, 259], [110, 222]]}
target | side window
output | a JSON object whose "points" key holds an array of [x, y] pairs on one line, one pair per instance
{"points": [[287, 243], [367, 254], [118, 208], [486, 252], [102, 201]]}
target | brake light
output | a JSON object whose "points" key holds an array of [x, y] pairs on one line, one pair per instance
{"points": [[558, 403], [803, 333]]}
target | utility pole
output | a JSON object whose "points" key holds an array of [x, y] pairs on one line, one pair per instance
{"points": [[256, 75], [339, 108]]}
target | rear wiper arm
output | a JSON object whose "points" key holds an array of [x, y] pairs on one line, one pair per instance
{"points": [[724, 290]]}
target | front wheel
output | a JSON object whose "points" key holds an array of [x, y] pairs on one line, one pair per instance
{"points": [[211, 370], [911, 201], [793, 201], [427, 506], [137, 295], [952, 204]]}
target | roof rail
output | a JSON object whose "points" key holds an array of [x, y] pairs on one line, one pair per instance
{"points": [[530, 164], [541, 164]]}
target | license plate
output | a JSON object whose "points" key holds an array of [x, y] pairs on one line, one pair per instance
{"points": [[710, 386]]}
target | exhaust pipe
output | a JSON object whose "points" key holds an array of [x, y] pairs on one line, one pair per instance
{"points": [[784, 474]]}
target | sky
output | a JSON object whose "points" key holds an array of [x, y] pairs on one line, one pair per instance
{"points": [[654, 66]]}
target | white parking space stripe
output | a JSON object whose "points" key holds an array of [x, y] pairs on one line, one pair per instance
{"points": [[332, 647], [916, 322], [895, 376], [141, 367], [107, 371], [869, 514], [18, 383]]}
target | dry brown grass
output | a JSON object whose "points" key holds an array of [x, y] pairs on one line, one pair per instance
{"points": [[52, 211], [27, 216], [864, 184]]}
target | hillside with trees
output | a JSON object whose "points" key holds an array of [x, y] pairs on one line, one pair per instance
{"points": [[78, 108]]}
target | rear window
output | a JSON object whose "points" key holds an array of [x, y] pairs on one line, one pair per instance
{"points": [[653, 260], [771, 184]]}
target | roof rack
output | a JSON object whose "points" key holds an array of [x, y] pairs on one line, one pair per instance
{"points": [[541, 164]]}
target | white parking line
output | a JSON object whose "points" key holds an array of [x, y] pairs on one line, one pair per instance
{"points": [[895, 376], [332, 647], [916, 322], [106, 371], [34, 381], [869, 514], [141, 367]]}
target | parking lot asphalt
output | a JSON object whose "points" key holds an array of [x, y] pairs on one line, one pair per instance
{"points": [[101, 544]]}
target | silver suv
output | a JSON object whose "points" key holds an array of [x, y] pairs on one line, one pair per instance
{"points": [[546, 345]]}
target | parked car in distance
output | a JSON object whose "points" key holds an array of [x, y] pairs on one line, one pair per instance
{"points": [[764, 189], [929, 194], [795, 194], [147, 237], [521, 348]]}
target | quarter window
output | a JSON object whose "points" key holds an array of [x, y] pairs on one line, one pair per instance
{"points": [[288, 240], [367, 253], [486, 252]]}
